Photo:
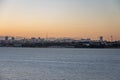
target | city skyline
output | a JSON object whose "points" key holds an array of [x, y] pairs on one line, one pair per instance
{"points": [[100, 38], [60, 18]]}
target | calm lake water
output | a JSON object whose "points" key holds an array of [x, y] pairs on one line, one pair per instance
{"points": [[59, 64]]}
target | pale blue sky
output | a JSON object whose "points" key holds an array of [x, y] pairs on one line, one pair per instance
{"points": [[101, 15], [98, 8]]}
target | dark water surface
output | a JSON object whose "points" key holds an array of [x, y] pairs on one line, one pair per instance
{"points": [[59, 64]]}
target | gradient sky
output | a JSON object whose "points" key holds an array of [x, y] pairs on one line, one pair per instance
{"points": [[60, 18]]}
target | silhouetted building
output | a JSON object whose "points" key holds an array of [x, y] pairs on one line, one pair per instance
{"points": [[101, 38], [12, 38], [6, 37], [33, 38]]}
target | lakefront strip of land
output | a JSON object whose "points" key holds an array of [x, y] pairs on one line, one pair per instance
{"points": [[58, 43]]}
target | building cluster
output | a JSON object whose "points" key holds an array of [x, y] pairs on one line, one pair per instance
{"points": [[58, 43]]}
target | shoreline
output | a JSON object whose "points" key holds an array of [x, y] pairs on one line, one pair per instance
{"points": [[59, 48]]}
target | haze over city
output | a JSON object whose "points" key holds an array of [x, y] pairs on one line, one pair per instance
{"points": [[60, 18]]}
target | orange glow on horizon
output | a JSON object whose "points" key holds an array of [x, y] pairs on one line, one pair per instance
{"points": [[74, 19]]}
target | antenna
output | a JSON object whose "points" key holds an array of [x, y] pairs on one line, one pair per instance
{"points": [[111, 38]]}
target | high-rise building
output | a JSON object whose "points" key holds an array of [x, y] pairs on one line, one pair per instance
{"points": [[111, 38], [101, 38], [6, 37], [13, 38]]}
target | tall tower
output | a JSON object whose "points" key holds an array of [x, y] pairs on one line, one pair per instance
{"points": [[101, 38], [111, 38]]}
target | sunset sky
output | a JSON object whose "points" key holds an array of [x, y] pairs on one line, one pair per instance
{"points": [[60, 18]]}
